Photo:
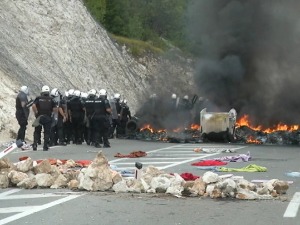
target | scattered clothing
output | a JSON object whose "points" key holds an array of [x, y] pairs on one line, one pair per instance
{"points": [[189, 176], [123, 172], [210, 168], [217, 150], [249, 168], [235, 158], [135, 154], [293, 174], [25, 147], [209, 163]]}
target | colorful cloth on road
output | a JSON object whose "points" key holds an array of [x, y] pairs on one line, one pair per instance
{"points": [[235, 158], [209, 163], [210, 168], [189, 176], [135, 154], [249, 168]]}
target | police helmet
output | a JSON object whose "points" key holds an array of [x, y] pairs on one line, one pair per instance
{"points": [[186, 97], [45, 89], [24, 89], [71, 92], [117, 96], [92, 92], [84, 95], [174, 96], [102, 92], [76, 93], [54, 92]]}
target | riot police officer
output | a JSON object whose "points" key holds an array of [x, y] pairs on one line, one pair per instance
{"points": [[58, 120], [100, 119], [22, 112], [116, 118], [89, 112], [76, 116], [125, 115], [43, 107]]}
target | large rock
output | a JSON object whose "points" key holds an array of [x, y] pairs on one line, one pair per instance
{"points": [[98, 175], [44, 179], [4, 181], [5, 163], [199, 187], [281, 187], [25, 165], [16, 176], [28, 183], [210, 177], [43, 167], [73, 184], [60, 182], [176, 187]]}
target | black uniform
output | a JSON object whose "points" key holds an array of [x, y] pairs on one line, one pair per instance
{"points": [[45, 105], [116, 121], [125, 115], [67, 130], [89, 106], [22, 114], [100, 121], [76, 114], [57, 129]]}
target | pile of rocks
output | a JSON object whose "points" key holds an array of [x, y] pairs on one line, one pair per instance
{"points": [[99, 176]]}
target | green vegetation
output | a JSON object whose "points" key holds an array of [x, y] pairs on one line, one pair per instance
{"points": [[137, 47], [142, 25]]}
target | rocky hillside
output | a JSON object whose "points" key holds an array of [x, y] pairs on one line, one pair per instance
{"points": [[57, 43]]}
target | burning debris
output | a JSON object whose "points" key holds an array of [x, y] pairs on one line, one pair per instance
{"points": [[281, 134], [219, 127]]}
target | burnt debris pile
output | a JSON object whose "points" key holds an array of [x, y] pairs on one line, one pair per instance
{"points": [[243, 135], [247, 135]]}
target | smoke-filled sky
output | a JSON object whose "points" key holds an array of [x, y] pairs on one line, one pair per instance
{"points": [[249, 57]]}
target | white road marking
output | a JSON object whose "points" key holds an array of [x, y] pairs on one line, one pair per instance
{"points": [[172, 156], [3, 194], [37, 209], [16, 209], [186, 161], [116, 160], [26, 196], [293, 207]]}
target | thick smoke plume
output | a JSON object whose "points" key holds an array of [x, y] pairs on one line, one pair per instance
{"points": [[249, 57]]}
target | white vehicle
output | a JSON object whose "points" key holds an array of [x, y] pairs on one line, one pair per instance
{"points": [[218, 125]]}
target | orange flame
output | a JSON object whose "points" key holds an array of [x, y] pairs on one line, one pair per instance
{"points": [[253, 140], [147, 127], [195, 126], [244, 121]]}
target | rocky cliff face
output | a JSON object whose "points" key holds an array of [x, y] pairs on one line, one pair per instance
{"points": [[57, 43]]}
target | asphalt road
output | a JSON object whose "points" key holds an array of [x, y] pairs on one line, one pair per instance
{"points": [[47, 206]]}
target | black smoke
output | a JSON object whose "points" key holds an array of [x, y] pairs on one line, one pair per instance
{"points": [[249, 56]]}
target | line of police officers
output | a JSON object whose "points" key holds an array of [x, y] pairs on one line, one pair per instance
{"points": [[75, 117]]}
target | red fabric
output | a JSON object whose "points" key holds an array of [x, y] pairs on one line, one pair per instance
{"points": [[23, 158], [135, 154], [209, 163], [188, 176], [83, 163]]}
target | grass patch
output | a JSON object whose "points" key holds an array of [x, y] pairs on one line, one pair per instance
{"points": [[136, 47]]}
